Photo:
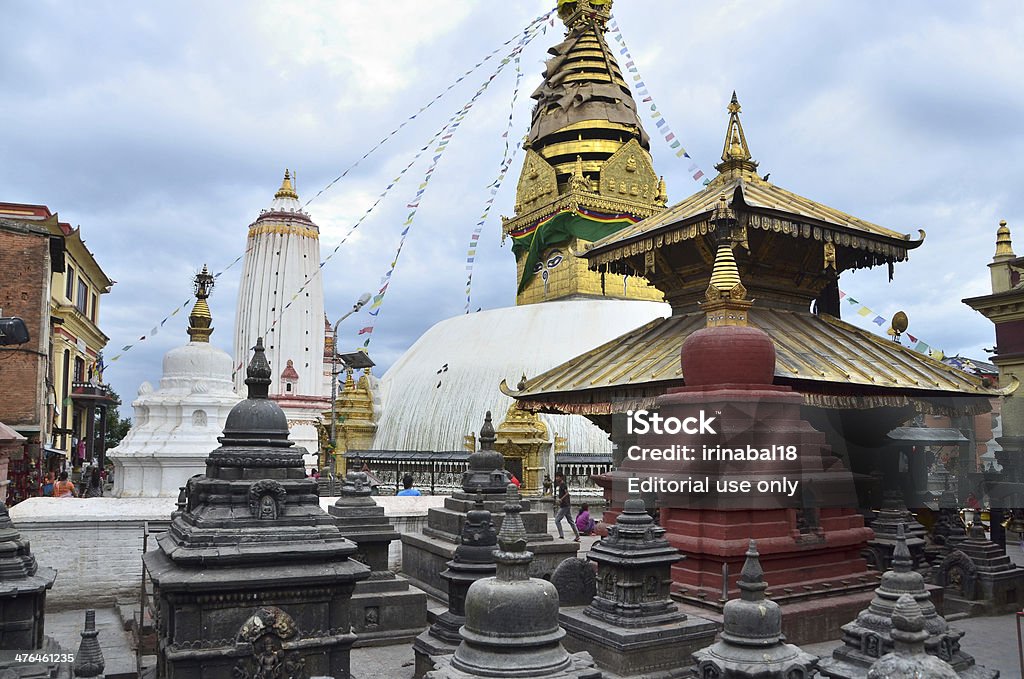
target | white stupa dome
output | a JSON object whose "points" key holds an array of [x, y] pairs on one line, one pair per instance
{"points": [[176, 426], [439, 390]]}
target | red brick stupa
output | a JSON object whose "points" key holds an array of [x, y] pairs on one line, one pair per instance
{"points": [[758, 471]]}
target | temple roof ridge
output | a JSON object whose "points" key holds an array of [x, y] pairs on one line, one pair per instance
{"points": [[738, 178]]}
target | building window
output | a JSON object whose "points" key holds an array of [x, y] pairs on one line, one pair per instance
{"points": [[92, 309], [79, 369], [83, 296], [69, 284]]}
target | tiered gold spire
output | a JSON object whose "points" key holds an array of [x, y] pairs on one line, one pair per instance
{"points": [[200, 321], [286, 190], [586, 153], [735, 152], [726, 300], [1004, 247]]}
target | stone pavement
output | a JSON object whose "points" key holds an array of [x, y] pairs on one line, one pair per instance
{"points": [[992, 641]]}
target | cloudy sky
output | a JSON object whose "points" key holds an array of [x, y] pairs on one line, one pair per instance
{"points": [[162, 128]]}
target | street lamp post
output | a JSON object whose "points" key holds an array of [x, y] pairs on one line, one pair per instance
{"points": [[360, 303]]}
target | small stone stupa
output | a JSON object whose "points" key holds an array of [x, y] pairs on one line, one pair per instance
{"points": [[752, 645], [869, 637], [385, 609], [908, 659], [474, 560], [425, 555], [23, 585], [252, 573], [175, 427], [632, 627], [979, 577], [511, 625]]}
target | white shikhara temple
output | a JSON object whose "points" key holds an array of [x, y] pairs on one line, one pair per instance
{"points": [[281, 299]]}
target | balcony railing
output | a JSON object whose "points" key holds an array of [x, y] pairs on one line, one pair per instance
{"points": [[87, 391]]}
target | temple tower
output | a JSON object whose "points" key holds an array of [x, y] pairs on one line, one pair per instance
{"points": [[1005, 308], [588, 170], [281, 298]]}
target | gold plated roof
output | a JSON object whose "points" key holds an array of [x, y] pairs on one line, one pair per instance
{"points": [[829, 361], [739, 180]]}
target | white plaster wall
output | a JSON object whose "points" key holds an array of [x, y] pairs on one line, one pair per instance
{"points": [[96, 543]]}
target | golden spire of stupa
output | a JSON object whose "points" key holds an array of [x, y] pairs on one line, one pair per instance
{"points": [[200, 321], [726, 300], [286, 190], [1004, 248], [735, 152]]}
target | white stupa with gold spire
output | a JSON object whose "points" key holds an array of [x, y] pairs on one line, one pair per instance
{"points": [[176, 426], [281, 299]]}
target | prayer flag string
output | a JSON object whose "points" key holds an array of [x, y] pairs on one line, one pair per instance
{"points": [[528, 35], [879, 320], [506, 162], [647, 103], [532, 25]]}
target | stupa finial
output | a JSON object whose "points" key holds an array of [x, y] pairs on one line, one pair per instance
{"points": [[487, 437], [575, 12], [1004, 247], [258, 373], [726, 300], [200, 321], [901, 560], [735, 152], [286, 190], [751, 582]]}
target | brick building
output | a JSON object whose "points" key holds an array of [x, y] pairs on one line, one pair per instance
{"points": [[29, 257], [68, 392]]}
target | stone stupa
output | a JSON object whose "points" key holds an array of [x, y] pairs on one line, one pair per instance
{"points": [[908, 659], [631, 626], [869, 637], [752, 645], [511, 625], [252, 573], [425, 555]]}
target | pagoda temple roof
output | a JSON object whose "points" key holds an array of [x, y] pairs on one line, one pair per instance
{"points": [[766, 206], [752, 191], [832, 363]]}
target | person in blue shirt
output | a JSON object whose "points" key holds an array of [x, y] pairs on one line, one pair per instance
{"points": [[407, 486]]}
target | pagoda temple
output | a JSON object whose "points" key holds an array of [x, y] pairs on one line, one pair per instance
{"points": [[790, 252], [281, 298], [850, 385]]}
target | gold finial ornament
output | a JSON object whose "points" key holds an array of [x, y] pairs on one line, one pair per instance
{"points": [[735, 152], [726, 300], [574, 12], [829, 256], [286, 190], [200, 321], [1004, 247]]}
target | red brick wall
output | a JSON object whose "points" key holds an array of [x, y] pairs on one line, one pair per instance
{"points": [[25, 292]]}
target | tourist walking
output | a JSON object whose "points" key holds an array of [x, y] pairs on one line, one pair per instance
{"points": [[562, 502], [63, 487]]}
